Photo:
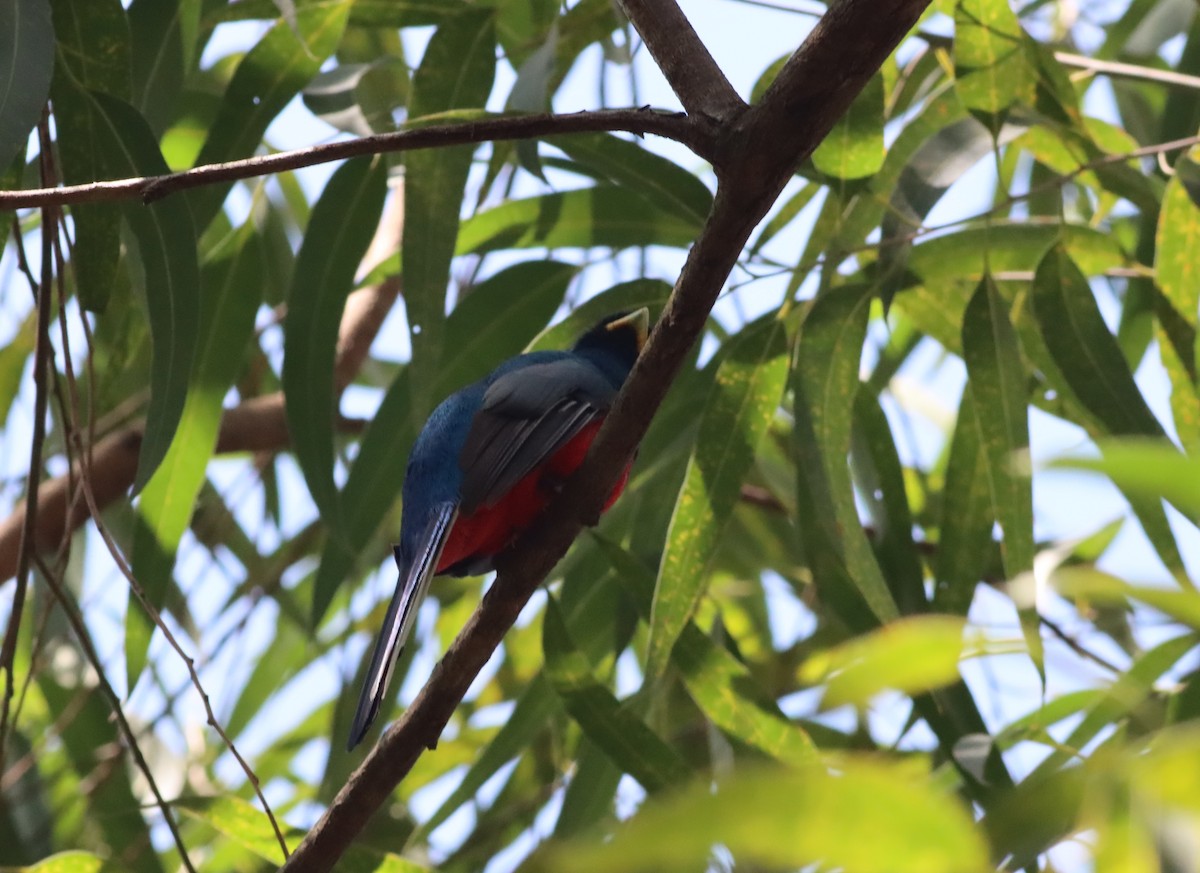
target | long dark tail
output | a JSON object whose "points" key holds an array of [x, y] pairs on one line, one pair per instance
{"points": [[401, 616]]}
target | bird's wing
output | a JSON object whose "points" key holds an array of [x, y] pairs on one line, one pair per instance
{"points": [[527, 415], [415, 573]]}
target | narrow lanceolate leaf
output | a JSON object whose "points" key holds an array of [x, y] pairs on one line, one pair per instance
{"points": [[745, 395], [456, 72], [990, 65], [720, 684], [1177, 264], [912, 655], [267, 78], [26, 67], [166, 240], [606, 215], [495, 321], [233, 284], [774, 820], [965, 542], [617, 730], [854, 148], [825, 380], [339, 231], [93, 55], [1152, 469], [998, 386], [1086, 353], [249, 828], [628, 164]]}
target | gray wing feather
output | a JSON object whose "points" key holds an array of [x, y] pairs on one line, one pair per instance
{"points": [[527, 415]]}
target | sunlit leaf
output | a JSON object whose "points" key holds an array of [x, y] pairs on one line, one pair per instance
{"points": [[749, 384], [779, 819], [343, 222]]}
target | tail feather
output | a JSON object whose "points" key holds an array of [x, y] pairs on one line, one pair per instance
{"points": [[401, 616]]}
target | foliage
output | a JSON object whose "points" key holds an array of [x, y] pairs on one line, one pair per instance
{"points": [[837, 619]]}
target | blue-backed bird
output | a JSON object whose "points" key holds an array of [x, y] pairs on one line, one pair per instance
{"points": [[487, 462]]}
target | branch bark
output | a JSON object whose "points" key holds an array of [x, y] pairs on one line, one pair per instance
{"points": [[684, 60], [670, 125], [759, 150]]}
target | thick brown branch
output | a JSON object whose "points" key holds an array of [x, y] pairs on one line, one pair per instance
{"points": [[773, 142], [670, 125], [684, 60]]}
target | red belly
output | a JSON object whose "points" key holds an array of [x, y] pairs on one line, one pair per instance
{"points": [[491, 528]]}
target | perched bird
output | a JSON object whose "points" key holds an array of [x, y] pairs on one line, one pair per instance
{"points": [[487, 462]]}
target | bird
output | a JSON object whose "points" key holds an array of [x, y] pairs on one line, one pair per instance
{"points": [[487, 462]]}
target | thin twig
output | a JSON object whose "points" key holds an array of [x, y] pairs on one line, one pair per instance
{"points": [[157, 619], [75, 619], [671, 125], [41, 356]]}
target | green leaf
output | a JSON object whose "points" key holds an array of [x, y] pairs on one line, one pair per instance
{"points": [[911, 655], [1177, 265], [591, 793], [854, 148], [967, 516], [266, 80], [116, 811], [26, 68], [249, 828], [342, 225], [990, 65], [1096, 586], [1086, 353], [605, 215], [164, 36], [68, 862], [720, 684], [233, 283], [998, 388], [667, 185], [612, 726], [778, 819], [1151, 469], [825, 380], [93, 55], [166, 241], [747, 391]]}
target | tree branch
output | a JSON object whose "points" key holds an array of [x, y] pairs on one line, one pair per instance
{"points": [[771, 139], [684, 60], [670, 125]]}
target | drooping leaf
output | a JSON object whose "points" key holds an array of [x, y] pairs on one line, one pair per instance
{"points": [[267, 78], [1000, 403], [914, 654], [93, 55], [1152, 469], [824, 381], [606, 215], [616, 729], [1084, 350], [782, 820], [967, 515], [749, 384], [166, 241], [342, 225], [1177, 266], [26, 68], [456, 72], [227, 310]]}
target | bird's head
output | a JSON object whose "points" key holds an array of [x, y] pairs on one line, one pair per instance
{"points": [[619, 337]]}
